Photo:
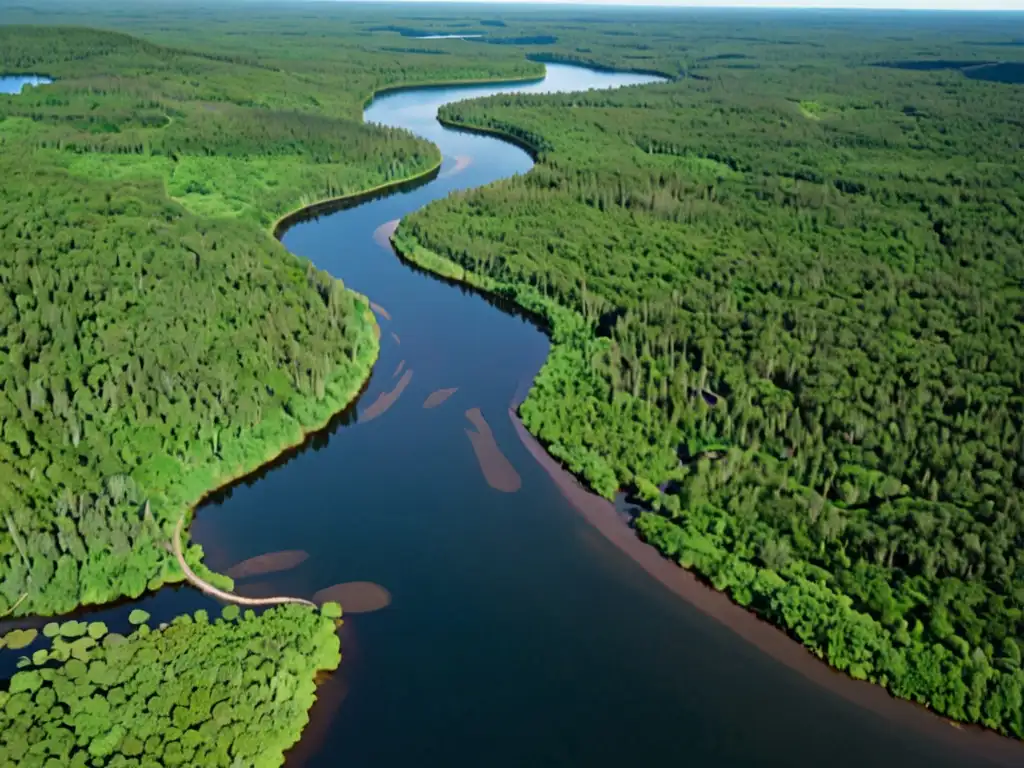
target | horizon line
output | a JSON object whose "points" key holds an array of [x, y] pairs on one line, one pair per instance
{"points": [[999, 6]]}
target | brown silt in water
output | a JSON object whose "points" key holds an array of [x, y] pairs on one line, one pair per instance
{"points": [[355, 596], [498, 470], [437, 397]]}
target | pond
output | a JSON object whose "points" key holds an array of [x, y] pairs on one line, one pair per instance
{"points": [[15, 84]]}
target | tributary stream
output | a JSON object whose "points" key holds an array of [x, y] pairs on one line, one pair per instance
{"points": [[519, 632]]}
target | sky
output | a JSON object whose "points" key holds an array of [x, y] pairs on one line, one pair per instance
{"points": [[922, 5]]}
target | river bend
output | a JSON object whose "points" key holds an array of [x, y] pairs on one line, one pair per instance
{"points": [[518, 632]]}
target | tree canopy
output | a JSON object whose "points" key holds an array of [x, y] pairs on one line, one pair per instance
{"points": [[795, 279]]}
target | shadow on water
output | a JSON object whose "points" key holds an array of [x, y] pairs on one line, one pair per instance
{"points": [[319, 210], [1008, 72], [315, 441]]}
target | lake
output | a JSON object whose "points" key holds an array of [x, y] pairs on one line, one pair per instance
{"points": [[17, 83]]}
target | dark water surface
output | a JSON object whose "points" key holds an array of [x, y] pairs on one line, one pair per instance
{"points": [[516, 633]]}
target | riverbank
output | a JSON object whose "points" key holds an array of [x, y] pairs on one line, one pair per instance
{"points": [[441, 85], [778, 637], [341, 392], [328, 205], [613, 525]]}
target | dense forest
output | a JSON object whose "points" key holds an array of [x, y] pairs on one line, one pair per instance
{"points": [[226, 691], [785, 291], [796, 291], [156, 340]]}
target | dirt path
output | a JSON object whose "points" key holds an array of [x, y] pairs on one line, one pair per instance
{"points": [[220, 594]]}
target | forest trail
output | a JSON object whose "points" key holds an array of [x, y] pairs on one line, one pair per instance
{"points": [[220, 594]]}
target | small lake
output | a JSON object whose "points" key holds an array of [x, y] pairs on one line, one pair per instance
{"points": [[519, 631], [17, 83], [444, 37]]}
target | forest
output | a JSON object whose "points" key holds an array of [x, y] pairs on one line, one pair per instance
{"points": [[795, 282], [784, 290], [157, 341], [225, 691]]}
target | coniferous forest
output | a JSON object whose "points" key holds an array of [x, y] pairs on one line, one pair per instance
{"points": [[158, 342], [784, 289], [795, 277]]}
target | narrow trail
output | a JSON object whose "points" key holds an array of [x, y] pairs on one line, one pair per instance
{"points": [[220, 594]]}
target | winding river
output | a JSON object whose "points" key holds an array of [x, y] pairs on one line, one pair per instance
{"points": [[515, 631]]}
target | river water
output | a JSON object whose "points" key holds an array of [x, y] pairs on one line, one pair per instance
{"points": [[517, 634]]}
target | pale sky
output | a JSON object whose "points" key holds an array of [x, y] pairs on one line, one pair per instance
{"points": [[920, 5]]}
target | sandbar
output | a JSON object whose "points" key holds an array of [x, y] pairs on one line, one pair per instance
{"points": [[271, 562], [437, 397], [356, 596], [386, 399], [382, 234], [498, 470]]}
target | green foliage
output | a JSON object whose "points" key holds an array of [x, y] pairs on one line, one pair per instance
{"points": [[157, 350], [138, 616], [73, 628], [806, 331], [17, 639], [333, 611], [174, 696]]}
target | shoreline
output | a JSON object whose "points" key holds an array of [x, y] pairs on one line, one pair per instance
{"points": [[434, 85], [222, 482], [279, 228], [1001, 749], [325, 205], [478, 130], [767, 637]]}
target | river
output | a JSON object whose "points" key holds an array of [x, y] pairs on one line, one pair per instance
{"points": [[518, 633]]}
